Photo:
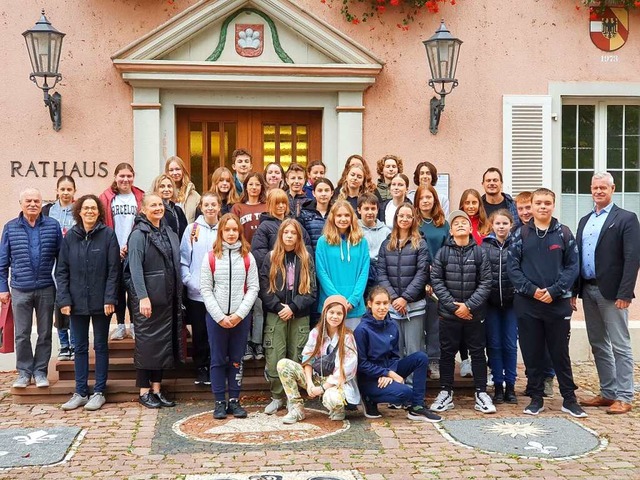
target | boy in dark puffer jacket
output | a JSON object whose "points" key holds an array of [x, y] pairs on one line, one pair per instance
{"points": [[461, 279]]}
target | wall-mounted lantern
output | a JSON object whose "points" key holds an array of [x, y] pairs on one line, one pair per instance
{"points": [[442, 52], [44, 44]]}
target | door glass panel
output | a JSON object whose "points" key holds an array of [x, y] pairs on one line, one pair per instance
{"points": [[269, 143], [214, 148], [302, 147], [230, 143], [285, 142], [195, 154]]}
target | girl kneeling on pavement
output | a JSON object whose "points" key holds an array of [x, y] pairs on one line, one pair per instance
{"points": [[288, 291], [381, 372], [229, 287], [329, 363]]}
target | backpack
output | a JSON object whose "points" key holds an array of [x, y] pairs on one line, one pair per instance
{"points": [[247, 262]]}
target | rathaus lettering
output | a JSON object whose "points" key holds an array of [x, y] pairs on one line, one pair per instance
{"points": [[56, 169]]}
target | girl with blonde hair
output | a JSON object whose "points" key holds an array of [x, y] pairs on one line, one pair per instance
{"points": [[186, 195], [223, 184], [174, 216]]}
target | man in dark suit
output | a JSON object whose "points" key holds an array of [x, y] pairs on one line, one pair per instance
{"points": [[609, 243]]}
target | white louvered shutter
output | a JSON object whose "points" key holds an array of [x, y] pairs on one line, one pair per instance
{"points": [[526, 142]]}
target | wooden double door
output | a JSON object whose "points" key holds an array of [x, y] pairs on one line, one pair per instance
{"points": [[207, 137]]}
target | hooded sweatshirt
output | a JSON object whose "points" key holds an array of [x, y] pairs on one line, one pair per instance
{"points": [[378, 351], [197, 242], [375, 236]]}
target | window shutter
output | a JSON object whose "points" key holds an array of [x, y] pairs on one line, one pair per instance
{"points": [[526, 142]]}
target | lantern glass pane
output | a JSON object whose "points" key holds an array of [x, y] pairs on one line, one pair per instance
{"points": [[56, 46], [432, 57]]}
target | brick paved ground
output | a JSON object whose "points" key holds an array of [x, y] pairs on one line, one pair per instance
{"points": [[118, 444]]}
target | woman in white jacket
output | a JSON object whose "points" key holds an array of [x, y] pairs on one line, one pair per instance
{"points": [[197, 242], [229, 287]]}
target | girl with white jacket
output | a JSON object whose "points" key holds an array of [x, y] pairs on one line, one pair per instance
{"points": [[229, 286], [197, 242]]}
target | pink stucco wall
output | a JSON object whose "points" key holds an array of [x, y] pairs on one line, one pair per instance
{"points": [[509, 48]]}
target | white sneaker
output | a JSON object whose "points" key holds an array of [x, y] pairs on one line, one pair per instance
{"points": [[119, 332], [275, 405], [132, 332], [295, 414], [443, 402], [74, 402], [41, 380], [465, 369], [337, 415], [23, 381], [96, 401], [484, 403]]}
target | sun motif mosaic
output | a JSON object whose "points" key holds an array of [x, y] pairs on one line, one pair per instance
{"points": [[258, 428], [514, 429]]}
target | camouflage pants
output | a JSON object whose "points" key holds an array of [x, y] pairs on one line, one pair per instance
{"points": [[292, 377]]}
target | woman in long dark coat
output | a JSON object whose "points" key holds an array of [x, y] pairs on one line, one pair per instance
{"points": [[153, 279]]}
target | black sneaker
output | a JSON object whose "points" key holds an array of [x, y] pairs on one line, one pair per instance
{"points": [[498, 395], [398, 406], [371, 409], [510, 394], [202, 376], [421, 414], [535, 407], [234, 408], [220, 410], [258, 352], [572, 408]]}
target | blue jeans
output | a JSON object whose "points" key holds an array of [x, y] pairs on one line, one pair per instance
{"points": [[80, 326], [502, 343], [227, 347], [400, 393]]}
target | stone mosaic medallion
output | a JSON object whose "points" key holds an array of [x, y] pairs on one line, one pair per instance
{"points": [[258, 428], [335, 475], [550, 438], [22, 447]]}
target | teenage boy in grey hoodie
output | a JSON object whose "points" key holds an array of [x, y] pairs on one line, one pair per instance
{"points": [[374, 230]]}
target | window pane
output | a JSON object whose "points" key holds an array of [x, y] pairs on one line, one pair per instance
{"points": [[301, 145], [614, 136], [569, 113], [230, 143], [214, 147], [269, 143], [584, 182], [632, 182], [586, 125], [568, 182], [617, 179], [568, 158], [285, 142], [632, 120], [631, 153], [195, 154]]}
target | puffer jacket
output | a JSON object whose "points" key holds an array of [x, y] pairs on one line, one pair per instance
{"points": [[299, 303], [30, 252], [502, 291], [461, 274], [404, 271], [197, 242], [266, 235], [313, 222], [223, 291], [88, 270]]}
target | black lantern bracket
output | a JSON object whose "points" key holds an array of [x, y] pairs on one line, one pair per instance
{"points": [[53, 101]]}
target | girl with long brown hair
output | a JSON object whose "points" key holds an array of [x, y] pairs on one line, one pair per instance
{"points": [[342, 260], [222, 183], [357, 160], [229, 286], [328, 366], [471, 204], [288, 291]]}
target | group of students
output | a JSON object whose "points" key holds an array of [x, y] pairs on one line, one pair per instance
{"points": [[357, 292]]}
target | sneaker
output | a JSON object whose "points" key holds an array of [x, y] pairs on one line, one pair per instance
{"points": [[535, 407], [41, 380], [337, 415], [398, 406], [572, 408], [443, 402], [371, 409], [119, 332], [258, 351], [248, 353], [434, 370], [484, 403], [275, 405], [489, 379], [295, 414], [23, 381], [421, 414], [510, 394], [64, 354], [220, 410], [465, 369], [202, 376], [74, 402], [548, 387], [498, 395], [132, 332], [234, 408], [149, 400], [72, 353], [96, 401]]}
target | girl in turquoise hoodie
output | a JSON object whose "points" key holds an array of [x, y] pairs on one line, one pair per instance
{"points": [[342, 261]]}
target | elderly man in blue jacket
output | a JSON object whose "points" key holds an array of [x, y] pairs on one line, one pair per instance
{"points": [[29, 247]]}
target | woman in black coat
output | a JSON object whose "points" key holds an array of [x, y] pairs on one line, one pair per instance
{"points": [[87, 275], [152, 276]]}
